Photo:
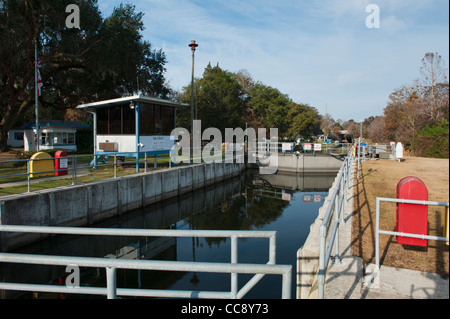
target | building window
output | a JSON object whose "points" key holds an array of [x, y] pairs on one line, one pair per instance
{"points": [[156, 119], [115, 120], [168, 120], [119, 120], [63, 138], [146, 119], [102, 121], [71, 138], [18, 136], [59, 138], [46, 138], [158, 122], [128, 121]]}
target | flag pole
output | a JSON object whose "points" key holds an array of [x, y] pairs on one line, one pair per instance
{"points": [[36, 93]]}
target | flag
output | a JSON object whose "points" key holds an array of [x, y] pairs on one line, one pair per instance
{"points": [[39, 78]]}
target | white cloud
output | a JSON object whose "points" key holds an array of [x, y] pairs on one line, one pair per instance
{"points": [[393, 25]]}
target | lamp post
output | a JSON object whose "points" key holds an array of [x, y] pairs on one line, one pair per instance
{"points": [[193, 46], [36, 86]]}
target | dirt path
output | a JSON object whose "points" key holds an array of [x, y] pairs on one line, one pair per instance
{"points": [[379, 178]]}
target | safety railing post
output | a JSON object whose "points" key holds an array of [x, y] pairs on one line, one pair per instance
{"points": [[146, 162], [342, 197], [115, 165], [272, 249], [137, 162], [111, 282], [74, 170], [286, 286], [234, 260], [337, 258], [377, 234], [321, 275], [28, 176]]}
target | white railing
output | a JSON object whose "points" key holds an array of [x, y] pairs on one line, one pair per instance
{"points": [[376, 272], [111, 265], [335, 208]]}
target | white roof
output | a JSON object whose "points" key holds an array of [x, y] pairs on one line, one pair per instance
{"points": [[136, 98]]}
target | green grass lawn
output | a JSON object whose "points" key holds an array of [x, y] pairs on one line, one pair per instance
{"points": [[103, 171]]}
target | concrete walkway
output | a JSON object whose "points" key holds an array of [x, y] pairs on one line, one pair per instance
{"points": [[350, 280]]}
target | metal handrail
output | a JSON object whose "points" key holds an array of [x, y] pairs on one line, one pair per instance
{"points": [[379, 232], [111, 265], [74, 167], [336, 206]]}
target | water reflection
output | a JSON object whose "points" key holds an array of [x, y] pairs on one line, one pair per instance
{"points": [[286, 203]]}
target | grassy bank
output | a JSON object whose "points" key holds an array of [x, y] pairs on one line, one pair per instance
{"points": [[379, 178]]}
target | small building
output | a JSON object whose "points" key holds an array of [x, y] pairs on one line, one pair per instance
{"points": [[133, 126], [345, 137], [15, 137], [53, 134]]}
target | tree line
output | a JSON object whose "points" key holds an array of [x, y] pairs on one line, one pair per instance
{"points": [[224, 99], [416, 114], [109, 58]]}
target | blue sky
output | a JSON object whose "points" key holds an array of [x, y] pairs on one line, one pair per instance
{"points": [[319, 52]]}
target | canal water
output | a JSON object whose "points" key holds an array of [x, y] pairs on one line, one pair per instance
{"points": [[286, 203]]}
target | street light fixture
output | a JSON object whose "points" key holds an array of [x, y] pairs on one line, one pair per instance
{"points": [[193, 47]]}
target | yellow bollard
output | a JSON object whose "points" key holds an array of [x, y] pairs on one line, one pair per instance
{"points": [[43, 165]]}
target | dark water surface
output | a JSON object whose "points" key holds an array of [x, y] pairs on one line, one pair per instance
{"points": [[286, 203]]}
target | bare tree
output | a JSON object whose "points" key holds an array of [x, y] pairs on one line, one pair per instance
{"points": [[434, 72], [326, 125], [376, 130], [245, 80], [352, 127]]}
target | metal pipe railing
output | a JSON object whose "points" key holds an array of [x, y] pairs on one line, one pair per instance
{"points": [[379, 232], [111, 265], [74, 168], [335, 207]]}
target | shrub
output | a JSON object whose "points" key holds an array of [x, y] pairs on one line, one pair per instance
{"points": [[432, 141]]}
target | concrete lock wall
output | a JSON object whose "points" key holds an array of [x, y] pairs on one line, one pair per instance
{"points": [[308, 254], [309, 163], [86, 204]]}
